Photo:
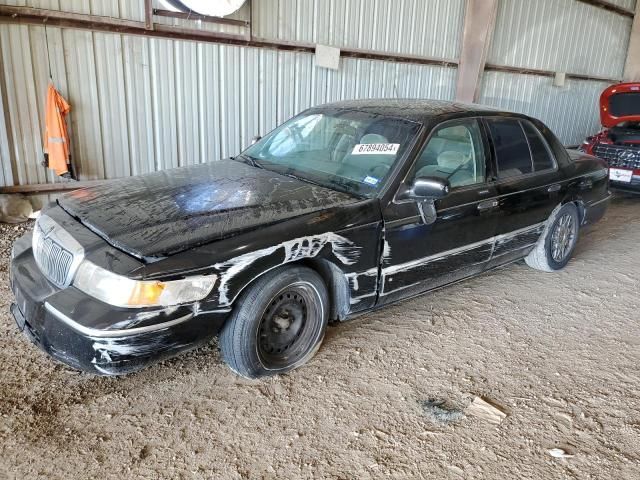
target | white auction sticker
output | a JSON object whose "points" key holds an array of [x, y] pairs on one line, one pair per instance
{"points": [[371, 180], [620, 175], [376, 149]]}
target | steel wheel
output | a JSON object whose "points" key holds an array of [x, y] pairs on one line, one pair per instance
{"points": [[278, 323], [282, 332], [563, 237]]}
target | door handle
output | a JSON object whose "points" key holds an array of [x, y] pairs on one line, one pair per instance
{"points": [[554, 188], [586, 184], [488, 205]]}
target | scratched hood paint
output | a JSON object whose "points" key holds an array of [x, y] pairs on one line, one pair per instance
{"points": [[159, 214]]}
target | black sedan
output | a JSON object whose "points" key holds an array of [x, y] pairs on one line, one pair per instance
{"points": [[345, 208]]}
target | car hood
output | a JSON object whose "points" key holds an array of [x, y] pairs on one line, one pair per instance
{"points": [[159, 214]]}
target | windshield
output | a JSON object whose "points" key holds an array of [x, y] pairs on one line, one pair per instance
{"points": [[346, 150]]}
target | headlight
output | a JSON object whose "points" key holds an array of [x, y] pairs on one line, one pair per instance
{"points": [[121, 291]]}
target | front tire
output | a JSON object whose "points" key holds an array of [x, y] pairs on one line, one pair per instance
{"points": [[278, 323], [558, 241]]}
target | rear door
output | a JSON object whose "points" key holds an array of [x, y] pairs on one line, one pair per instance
{"points": [[527, 183], [419, 256]]}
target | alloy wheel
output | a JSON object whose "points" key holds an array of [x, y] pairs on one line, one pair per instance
{"points": [[563, 238]]}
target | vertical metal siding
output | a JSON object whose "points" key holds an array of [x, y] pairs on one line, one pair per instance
{"points": [[163, 99], [139, 107], [560, 35], [6, 167], [112, 101], [144, 104], [124, 9], [429, 28], [22, 107], [571, 112], [83, 95]]}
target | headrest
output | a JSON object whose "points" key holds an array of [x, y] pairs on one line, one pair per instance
{"points": [[459, 133], [373, 138], [451, 159]]}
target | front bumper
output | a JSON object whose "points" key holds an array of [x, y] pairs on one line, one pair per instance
{"points": [[631, 187], [92, 336]]}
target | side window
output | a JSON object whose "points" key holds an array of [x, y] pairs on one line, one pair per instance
{"points": [[542, 159], [511, 147], [455, 152]]}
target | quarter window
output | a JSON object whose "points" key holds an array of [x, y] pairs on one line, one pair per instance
{"points": [[511, 147], [542, 159], [455, 153]]}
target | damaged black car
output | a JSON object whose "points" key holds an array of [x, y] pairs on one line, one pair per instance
{"points": [[345, 208]]}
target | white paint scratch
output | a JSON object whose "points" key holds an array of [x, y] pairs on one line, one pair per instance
{"points": [[305, 247], [352, 278], [354, 300], [107, 346], [386, 252]]}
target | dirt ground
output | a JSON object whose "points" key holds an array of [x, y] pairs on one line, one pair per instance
{"points": [[559, 352]]}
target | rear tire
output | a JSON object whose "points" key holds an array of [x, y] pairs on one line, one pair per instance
{"points": [[558, 241], [278, 323]]}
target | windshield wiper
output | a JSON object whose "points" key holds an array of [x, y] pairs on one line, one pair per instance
{"points": [[348, 186], [249, 160]]}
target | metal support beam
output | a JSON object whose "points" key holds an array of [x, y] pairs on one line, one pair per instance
{"points": [[250, 32], [148, 14], [37, 16], [632, 67], [612, 7], [547, 73], [479, 21]]}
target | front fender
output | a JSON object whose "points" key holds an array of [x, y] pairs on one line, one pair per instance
{"points": [[347, 237], [237, 272]]}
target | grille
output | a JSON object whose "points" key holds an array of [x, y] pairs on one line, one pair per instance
{"points": [[618, 155], [53, 259], [57, 253]]}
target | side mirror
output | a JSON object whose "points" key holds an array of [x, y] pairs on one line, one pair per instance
{"points": [[429, 188], [256, 139], [425, 191]]}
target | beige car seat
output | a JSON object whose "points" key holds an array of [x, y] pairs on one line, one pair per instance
{"points": [[448, 161]]}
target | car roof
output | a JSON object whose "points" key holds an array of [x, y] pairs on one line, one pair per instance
{"points": [[417, 110]]}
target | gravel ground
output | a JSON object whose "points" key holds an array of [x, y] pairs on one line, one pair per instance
{"points": [[558, 352]]}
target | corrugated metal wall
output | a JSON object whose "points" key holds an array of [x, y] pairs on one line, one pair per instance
{"points": [[126, 9], [6, 169], [430, 28], [571, 112], [143, 104], [562, 36]]}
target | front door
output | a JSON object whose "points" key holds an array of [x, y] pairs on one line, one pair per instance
{"points": [[418, 255]]}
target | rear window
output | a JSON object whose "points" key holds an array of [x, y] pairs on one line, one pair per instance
{"points": [[624, 104], [511, 148], [542, 159]]}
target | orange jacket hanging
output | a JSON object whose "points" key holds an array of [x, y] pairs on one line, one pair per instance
{"points": [[56, 137]]}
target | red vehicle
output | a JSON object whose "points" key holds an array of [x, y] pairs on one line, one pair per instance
{"points": [[619, 141]]}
